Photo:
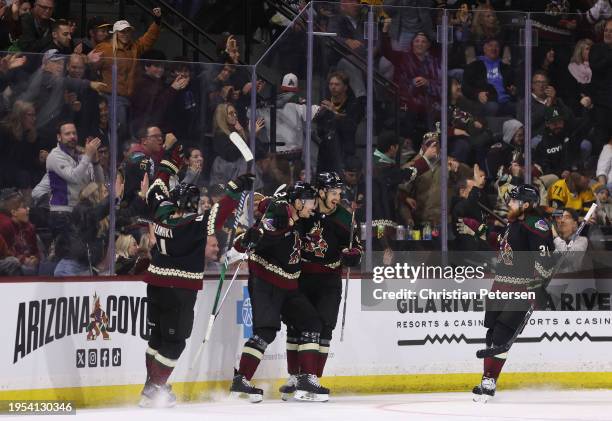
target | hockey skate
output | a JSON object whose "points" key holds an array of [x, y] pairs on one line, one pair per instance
{"points": [[288, 389], [156, 396], [484, 391], [241, 386], [309, 389]]}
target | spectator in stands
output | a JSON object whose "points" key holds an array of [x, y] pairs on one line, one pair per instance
{"points": [[211, 254], [604, 165], [68, 173], [485, 26], [192, 172], [601, 10], [336, 123], [604, 205], [290, 116], [391, 175], [562, 143], [491, 81], [509, 149], [151, 97], [36, 27], [580, 74], [572, 192], [409, 18], [600, 60], [9, 264], [46, 89], [228, 160], [82, 105], [563, 231], [61, 39], [349, 25], [417, 74], [205, 202], [467, 217], [183, 114], [126, 250], [12, 17], [101, 129], [127, 51], [543, 97], [142, 159], [97, 32], [18, 232], [21, 157], [469, 138], [425, 190]]}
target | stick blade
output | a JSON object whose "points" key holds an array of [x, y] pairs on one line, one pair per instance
{"points": [[239, 142]]}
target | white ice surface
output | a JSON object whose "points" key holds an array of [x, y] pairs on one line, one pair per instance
{"points": [[507, 405]]}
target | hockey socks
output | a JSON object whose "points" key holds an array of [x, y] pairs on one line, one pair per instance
{"points": [[161, 368], [308, 352], [322, 357], [493, 365], [293, 366], [252, 354], [150, 354]]}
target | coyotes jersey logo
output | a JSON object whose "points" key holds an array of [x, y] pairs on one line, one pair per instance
{"points": [[315, 242], [295, 256], [505, 251]]}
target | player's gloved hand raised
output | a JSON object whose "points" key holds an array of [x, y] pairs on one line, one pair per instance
{"points": [[242, 183], [278, 215], [351, 257], [251, 236], [173, 154]]}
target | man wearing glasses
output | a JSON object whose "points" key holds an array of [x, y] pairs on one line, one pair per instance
{"points": [[36, 27], [142, 158]]}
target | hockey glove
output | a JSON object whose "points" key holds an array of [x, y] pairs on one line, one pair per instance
{"points": [[541, 296], [277, 216], [351, 257], [173, 159], [251, 237], [242, 183]]}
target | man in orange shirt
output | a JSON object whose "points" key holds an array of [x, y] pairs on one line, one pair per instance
{"points": [[127, 51]]}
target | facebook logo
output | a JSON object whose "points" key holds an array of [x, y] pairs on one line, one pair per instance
{"points": [[104, 357]]}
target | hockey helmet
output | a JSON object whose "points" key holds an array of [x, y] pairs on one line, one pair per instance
{"points": [[186, 196], [328, 180], [301, 190], [525, 193]]}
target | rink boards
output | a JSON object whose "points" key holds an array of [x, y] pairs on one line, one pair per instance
{"points": [[85, 340]]}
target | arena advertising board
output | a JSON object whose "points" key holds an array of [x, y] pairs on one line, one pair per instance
{"points": [[94, 333]]}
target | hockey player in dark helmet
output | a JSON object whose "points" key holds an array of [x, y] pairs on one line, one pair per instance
{"points": [[326, 248], [274, 269], [525, 265], [176, 271]]}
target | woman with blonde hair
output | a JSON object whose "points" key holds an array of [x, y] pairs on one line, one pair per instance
{"points": [[126, 249], [579, 63], [228, 163], [485, 26], [21, 157]]}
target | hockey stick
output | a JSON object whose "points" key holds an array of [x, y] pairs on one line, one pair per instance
{"points": [[500, 349], [348, 271]]}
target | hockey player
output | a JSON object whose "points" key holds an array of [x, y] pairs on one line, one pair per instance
{"points": [[177, 268], [274, 269], [525, 264], [325, 250]]}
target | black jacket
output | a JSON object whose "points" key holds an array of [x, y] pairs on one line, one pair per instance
{"points": [[475, 80]]}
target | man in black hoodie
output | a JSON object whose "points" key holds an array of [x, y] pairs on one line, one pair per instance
{"points": [[558, 150]]}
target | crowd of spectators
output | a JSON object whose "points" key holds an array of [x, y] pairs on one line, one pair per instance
{"points": [[57, 97]]}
